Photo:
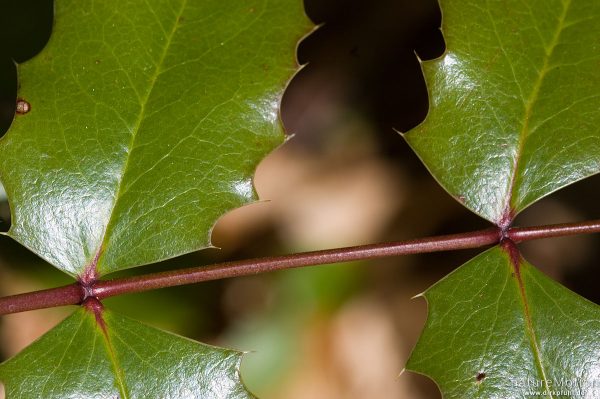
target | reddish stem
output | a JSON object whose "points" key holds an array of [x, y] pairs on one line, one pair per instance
{"points": [[76, 293], [476, 239], [67, 295], [520, 234]]}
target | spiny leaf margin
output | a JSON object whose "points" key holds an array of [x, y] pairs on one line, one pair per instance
{"points": [[147, 121], [107, 355], [499, 331], [514, 104]]}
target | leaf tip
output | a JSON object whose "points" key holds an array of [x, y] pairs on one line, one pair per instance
{"points": [[419, 295], [401, 372]]}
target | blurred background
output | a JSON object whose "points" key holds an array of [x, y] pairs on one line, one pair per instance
{"points": [[345, 178]]}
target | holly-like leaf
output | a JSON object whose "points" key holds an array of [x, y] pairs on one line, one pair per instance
{"points": [[95, 353], [514, 102], [145, 122], [499, 328]]}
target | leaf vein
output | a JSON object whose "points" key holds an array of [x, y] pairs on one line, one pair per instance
{"points": [[529, 105], [138, 124]]}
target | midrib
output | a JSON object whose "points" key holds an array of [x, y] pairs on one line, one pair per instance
{"points": [[113, 359], [91, 269], [530, 331], [524, 132]]}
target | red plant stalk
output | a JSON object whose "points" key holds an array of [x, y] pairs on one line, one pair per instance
{"points": [[77, 293]]}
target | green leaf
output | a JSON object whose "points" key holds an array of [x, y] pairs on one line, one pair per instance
{"points": [[147, 121], [498, 328], [514, 102], [105, 355]]}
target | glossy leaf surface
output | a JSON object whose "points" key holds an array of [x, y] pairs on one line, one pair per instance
{"points": [[514, 102], [120, 357], [147, 120], [496, 331]]}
